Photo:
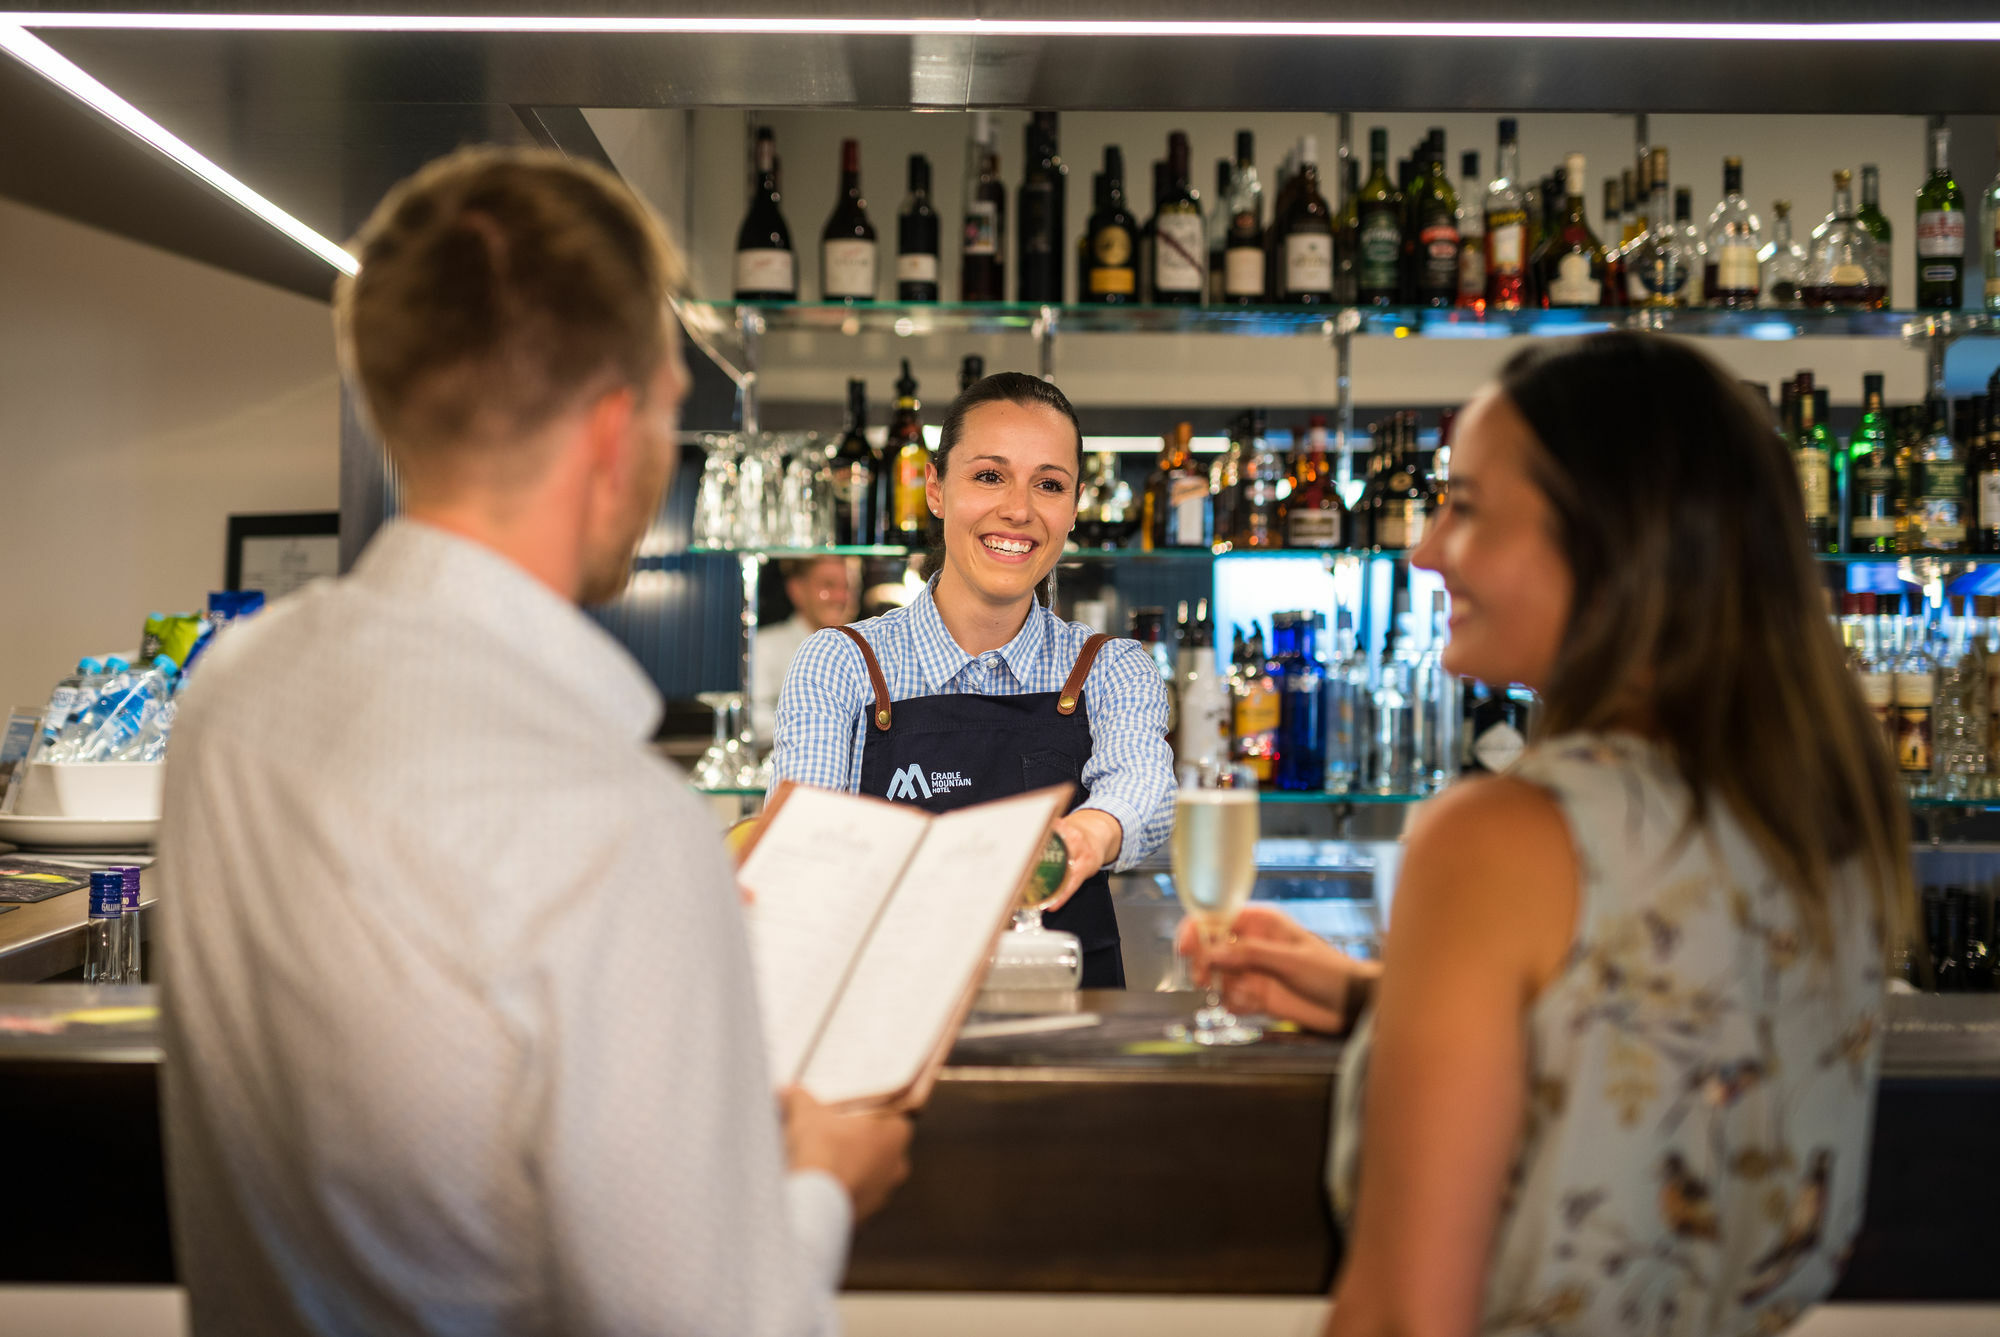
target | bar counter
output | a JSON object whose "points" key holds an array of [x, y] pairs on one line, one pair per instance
{"points": [[1107, 1159]]}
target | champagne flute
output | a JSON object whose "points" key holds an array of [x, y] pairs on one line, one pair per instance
{"points": [[1215, 866]]}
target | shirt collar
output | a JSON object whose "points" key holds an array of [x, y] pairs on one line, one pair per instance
{"points": [[546, 633], [942, 659]]}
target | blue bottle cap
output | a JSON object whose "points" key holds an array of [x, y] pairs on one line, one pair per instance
{"points": [[115, 664], [88, 667], [107, 894], [166, 665]]}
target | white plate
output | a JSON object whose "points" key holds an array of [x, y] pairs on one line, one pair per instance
{"points": [[76, 833]]}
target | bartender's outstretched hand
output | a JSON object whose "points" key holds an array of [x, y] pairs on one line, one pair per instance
{"points": [[1093, 838], [1272, 966], [868, 1153]]}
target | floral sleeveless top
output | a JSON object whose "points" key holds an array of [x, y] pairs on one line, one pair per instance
{"points": [[1700, 1084]]}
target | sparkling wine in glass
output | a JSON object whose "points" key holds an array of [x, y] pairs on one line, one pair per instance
{"points": [[1215, 866]]}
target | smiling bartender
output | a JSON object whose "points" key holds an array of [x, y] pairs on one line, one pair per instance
{"points": [[976, 691]]}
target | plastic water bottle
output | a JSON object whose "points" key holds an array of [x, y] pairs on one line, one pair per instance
{"points": [[89, 713], [104, 935], [72, 696], [128, 924], [132, 709]]}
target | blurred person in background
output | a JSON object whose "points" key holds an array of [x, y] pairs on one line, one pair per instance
{"points": [[824, 592], [1616, 1072], [461, 1035]]}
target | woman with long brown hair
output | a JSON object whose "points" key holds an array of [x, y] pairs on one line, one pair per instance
{"points": [[1616, 1071]]}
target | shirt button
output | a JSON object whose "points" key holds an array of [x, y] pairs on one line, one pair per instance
{"points": [[991, 661]]}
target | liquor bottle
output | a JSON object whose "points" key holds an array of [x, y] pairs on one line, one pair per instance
{"points": [[1100, 476], [1940, 229], [1735, 239], [1347, 710], [1397, 516], [1225, 486], [1314, 515], [855, 518], [1916, 695], [1393, 762], [847, 246], [1471, 233], [766, 270], [1496, 726], [1940, 480], [1379, 236], [1571, 271], [1871, 217], [1176, 510], [1301, 679], [1989, 247], [1205, 703], [1983, 464], [1259, 524], [1815, 471], [1614, 206], [971, 372], [1783, 263], [1440, 707], [1406, 250], [1634, 186], [1958, 717], [917, 238], [1347, 234], [1617, 282], [1846, 267], [1434, 214], [1218, 232], [982, 274], [1506, 228], [1873, 666], [1627, 258], [1663, 266], [1256, 711], [906, 447], [1179, 251], [1147, 245], [1692, 246], [1111, 265], [1243, 277], [1149, 628], [1039, 213], [1871, 477], [104, 933], [1309, 240]]}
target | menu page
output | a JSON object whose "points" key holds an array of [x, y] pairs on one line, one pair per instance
{"points": [[818, 876], [918, 968]]}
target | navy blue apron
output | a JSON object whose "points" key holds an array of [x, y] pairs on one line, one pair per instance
{"points": [[946, 752]]}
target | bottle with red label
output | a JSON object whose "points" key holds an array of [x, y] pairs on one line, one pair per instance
{"points": [[1435, 215]]}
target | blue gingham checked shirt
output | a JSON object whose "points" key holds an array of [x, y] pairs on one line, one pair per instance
{"points": [[822, 720]]}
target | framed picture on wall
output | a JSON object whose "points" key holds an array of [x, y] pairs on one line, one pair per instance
{"points": [[279, 553]]}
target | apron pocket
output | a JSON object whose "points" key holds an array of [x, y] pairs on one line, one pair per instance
{"points": [[1050, 766]]}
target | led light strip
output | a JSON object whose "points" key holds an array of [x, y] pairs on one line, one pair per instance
{"points": [[917, 27], [64, 73]]}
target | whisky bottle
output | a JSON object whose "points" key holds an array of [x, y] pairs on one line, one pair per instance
{"points": [[1571, 272], [1871, 477], [1735, 237], [1940, 469], [1846, 266], [853, 469], [1506, 228], [1782, 264], [1815, 468], [907, 449], [1314, 515], [1662, 266], [1176, 511]]}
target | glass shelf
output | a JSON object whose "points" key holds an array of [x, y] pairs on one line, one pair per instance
{"points": [[875, 550], [1397, 322], [1941, 558], [1204, 555]]}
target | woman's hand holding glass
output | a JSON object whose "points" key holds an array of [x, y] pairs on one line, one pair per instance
{"points": [[1270, 966]]}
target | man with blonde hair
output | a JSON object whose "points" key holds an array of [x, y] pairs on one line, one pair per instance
{"points": [[460, 1030]]}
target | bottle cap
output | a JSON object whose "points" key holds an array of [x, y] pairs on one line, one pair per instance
{"points": [[107, 893], [129, 875], [115, 664], [89, 666]]}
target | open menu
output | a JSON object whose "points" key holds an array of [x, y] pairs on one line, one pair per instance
{"points": [[871, 924]]}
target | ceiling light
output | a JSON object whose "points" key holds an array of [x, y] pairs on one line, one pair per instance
{"points": [[919, 27], [44, 60]]}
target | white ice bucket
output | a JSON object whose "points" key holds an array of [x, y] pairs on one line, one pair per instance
{"points": [[122, 791]]}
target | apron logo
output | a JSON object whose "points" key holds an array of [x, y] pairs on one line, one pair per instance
{"points": [[910, 783]]}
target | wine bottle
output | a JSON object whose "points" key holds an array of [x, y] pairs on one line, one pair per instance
{"points": [[1040, 211], [1940, 229], [853, 466], [1243, 279], [1218, 232], [917, 238], [1379, 237], [1435, 216], [766, 269], [847, 247], [982, 275], [1179, 250], [1308, 256], [1110, 273]]}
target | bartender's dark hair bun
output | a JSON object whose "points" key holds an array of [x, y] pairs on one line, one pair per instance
{"points": [[1009, 387]]}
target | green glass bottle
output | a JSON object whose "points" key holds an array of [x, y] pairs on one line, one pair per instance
{"points": [[1940, 229], [1815, 466], [1871, 475], [1379, 230], [1876, 222]]}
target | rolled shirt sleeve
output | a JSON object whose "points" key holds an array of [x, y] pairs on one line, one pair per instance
{"points": [[1130, 774], [820, 714]]}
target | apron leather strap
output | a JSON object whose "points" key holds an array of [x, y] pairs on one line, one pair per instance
{"points": [[1072, 690], [875, 678]]}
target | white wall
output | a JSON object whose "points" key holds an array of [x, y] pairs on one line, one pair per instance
{"points": [[143, 399], [1784, 157]]}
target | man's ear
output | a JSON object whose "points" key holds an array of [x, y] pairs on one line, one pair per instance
{"points": [[608, 435]]}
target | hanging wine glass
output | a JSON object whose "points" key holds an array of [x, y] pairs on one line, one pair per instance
{"points": [[716, 769]]}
